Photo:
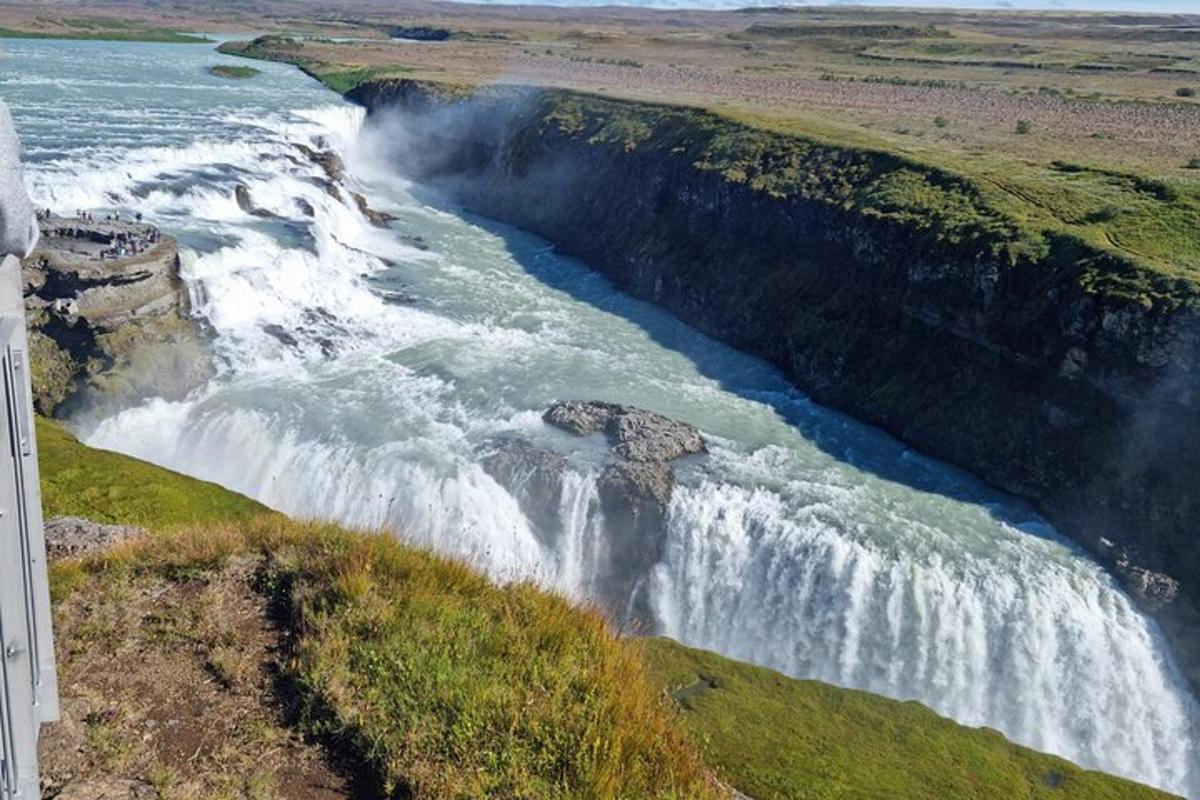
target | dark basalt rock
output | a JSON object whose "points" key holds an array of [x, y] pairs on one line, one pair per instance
{"points": [[280, 333], [635, 434], [634, 497], [1153, 590], [245, 202], [327, 160], [109, 317], [377, 218], [635, 490]]}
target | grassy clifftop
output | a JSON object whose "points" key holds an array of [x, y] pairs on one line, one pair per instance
{"points": [[434, 680]]}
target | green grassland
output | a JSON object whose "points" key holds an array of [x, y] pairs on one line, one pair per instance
{"points": [[439, 682], [108, 487]]}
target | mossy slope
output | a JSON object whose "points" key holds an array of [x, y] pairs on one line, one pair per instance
{"points": [[778, 738], [108, 487]]}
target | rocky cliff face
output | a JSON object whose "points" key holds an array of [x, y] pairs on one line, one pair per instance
{"points": [[884, 288], [108, 332]]}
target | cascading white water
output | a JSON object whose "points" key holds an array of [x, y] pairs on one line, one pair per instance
{"points": [[805, 541]]}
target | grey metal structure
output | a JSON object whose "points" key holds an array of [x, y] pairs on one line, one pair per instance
{"points": [[28, 682]]}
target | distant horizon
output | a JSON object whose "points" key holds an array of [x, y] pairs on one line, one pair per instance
{"points": [[1189, 7]]}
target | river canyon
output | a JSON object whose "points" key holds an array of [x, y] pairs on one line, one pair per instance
{"points": [[365, 373]]}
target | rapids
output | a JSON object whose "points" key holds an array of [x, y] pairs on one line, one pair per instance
{"points": [[805, 541]]}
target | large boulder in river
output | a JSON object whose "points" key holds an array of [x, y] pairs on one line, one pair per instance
{"points": [[634, 496], [634, 491], [635, 434]]}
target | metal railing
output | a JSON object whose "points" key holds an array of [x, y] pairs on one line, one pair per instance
{"points": [[28, 684]]}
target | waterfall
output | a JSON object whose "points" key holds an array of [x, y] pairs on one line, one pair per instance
{"points": [[804, 541]]}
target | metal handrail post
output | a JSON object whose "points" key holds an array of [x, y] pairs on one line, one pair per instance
{"points": [[28, 680]]}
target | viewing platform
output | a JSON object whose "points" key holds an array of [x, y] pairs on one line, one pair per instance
{"points": [[72, 240]]}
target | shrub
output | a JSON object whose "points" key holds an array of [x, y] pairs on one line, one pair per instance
{"points": [[1194, 163], [940, 122], [1104, 214], [1024, 126], [1185, 91]]}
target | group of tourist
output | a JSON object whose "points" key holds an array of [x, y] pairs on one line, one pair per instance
{"points": [[120, 243], [123, 244]]}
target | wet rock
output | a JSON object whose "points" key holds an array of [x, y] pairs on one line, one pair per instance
{"points": [[280, 333], [1154, 591], [635, 434], [245, 202], [327, 160], [415, 241], [377, 218], [395, 298], [305, 207], [634, 490], [578, 417], [534, 477], [634, 497], [330, 188], [73, 537], [108, 329]]}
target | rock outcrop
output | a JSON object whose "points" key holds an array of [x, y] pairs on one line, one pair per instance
{"points": [[109, 317], [241, 193], [635, 434], [1058, 371], [634, 488], [534, 477], [73, 537]]}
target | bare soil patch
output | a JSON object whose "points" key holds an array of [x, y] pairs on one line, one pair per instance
{"points": [[169, 689]]}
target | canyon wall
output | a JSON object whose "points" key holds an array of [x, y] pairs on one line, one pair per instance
{"points": [[888, 289]]}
